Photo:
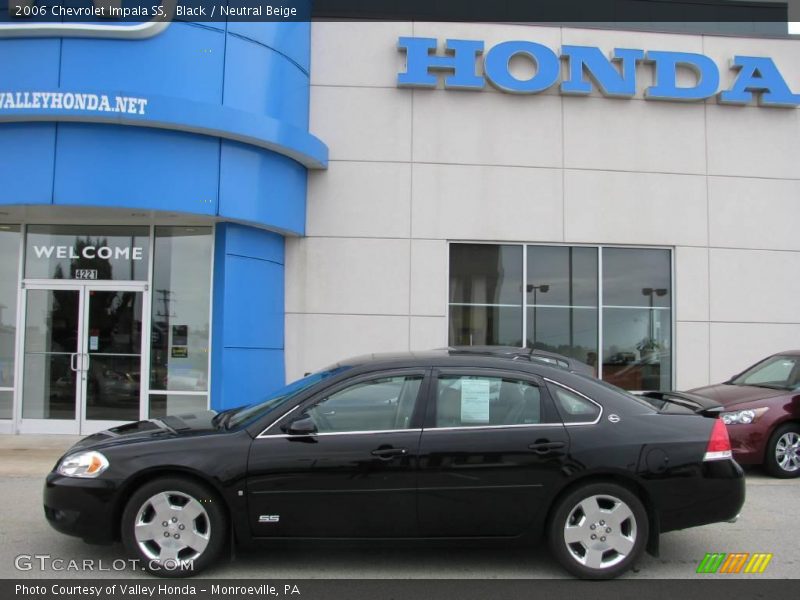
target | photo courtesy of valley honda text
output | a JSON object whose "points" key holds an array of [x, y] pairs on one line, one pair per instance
{"points": [[196, 227]]}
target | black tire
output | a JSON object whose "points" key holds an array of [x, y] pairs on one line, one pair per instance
{"points": [[162, 501], [629, 534], [772, 463]]}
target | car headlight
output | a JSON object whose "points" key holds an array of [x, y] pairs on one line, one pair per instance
{"points": [[83, 464], [742, 417]]}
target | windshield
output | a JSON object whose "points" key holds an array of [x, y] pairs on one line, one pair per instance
{"points": [[776, 372], [279, 397]]}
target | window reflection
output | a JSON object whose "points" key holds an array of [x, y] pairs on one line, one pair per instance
{"points": [[637, 318], [562, 301], [485, 294], [180, 312], [87, 252], [9, 265], [562, 309], [162, 405]]}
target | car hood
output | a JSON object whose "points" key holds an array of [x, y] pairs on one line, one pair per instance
{"points": [[730, 395], [151, 429]]}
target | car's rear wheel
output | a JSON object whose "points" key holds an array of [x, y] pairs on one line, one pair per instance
{"points": [[598, 531], [176, 527], [783, 452]]}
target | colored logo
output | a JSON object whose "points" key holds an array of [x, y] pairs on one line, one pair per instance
{"points": [[734, 563]]}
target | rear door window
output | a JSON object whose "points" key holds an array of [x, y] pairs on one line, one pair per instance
{"points": [[480, 401]]}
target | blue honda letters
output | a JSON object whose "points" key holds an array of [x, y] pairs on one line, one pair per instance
{"points": [[588, 67]]}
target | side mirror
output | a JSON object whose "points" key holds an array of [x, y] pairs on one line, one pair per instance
{"points": [[303, 425]]}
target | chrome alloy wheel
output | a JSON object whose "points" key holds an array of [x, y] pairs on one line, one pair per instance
{"points": [[172, 526], [787, 452], [600, 531]]}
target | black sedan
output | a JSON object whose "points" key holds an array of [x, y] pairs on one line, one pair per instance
{"points": [[428, 445]]}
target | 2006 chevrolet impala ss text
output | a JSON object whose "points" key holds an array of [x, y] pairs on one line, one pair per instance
{"points": [[429, 445]]}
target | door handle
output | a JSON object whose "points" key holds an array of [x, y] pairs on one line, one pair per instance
{"points": [[88, 362], [389, 453], [72, 358], [546, 447]]}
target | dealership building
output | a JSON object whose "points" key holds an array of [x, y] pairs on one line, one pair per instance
{"points": [[192, 214]]}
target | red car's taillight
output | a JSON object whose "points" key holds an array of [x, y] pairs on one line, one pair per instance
{"points": [[719, 445]]}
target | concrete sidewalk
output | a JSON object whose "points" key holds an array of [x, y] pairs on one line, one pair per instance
{"points": [[31, 455]]}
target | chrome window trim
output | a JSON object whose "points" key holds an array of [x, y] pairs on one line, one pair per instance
{"points": [[576, 392], [475, 427], [328, 433]]}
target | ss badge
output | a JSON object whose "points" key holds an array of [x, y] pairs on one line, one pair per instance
{"points": [[269, 518]]}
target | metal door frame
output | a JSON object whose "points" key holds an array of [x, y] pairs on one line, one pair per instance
{"points": [[79, 424]]}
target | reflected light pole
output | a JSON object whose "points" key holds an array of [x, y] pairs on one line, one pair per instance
{"points": [[544, 288], [650, 292]]}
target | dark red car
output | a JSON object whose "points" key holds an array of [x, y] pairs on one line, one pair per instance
{"points": [[762, 412]]}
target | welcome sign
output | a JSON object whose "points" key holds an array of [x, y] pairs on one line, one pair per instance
{"points": [[613, 76]]}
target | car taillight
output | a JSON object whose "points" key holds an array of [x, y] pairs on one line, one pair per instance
{"points": [[719, 445]]}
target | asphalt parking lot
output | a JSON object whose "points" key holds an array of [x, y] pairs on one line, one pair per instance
{"points": [[768, 524]]}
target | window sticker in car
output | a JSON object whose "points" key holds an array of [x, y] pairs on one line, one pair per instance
{"points": [[475, 400]]}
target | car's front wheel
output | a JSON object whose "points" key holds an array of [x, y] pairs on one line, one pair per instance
{"points": [[783, 452], [176, 527], [598, 531]]}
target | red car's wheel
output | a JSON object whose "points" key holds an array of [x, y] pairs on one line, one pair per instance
{"points": [[783, 452]]}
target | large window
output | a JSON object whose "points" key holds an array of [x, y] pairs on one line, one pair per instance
{"points": [[609, 307], [179, 340], [637, 318], [485, 295], [87, 252], [9, 267], [561, 305]]}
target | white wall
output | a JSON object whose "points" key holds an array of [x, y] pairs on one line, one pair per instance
{"points": [[410, 170]]}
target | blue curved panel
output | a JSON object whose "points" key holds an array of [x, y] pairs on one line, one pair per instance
{"points": [[136, 168], [224, 131], [186, 61], [242, 58], [275, 184], [247, 360], [288, 39], [30, 63], [27, 164]]}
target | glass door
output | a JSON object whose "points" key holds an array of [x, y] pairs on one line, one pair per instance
{"points": [[82, 358], [111, 363], [51, 375]]}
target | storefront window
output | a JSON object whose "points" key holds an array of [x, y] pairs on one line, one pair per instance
{"points": [[485, 294], [87, 252], [562, 301], [162, 405], [180, 317], [563, 310], [637, 318], [9, 268]]}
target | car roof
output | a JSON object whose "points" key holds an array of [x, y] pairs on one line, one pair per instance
{"points": [[444, 357]]}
